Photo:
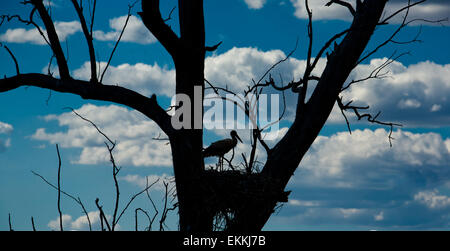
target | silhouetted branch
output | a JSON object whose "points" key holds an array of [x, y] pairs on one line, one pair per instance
{"points": [[132, 199], [170, 14], [9, 223], [59, 189], [369, 117], [92, 16], [166, 209], [32, 224], [112, 93], [89, 39], [53, 38], [153, 204], [271, 82], [94, 125], [77, 200], [102, 216], [394, 34], [213, 48], [136, 218], [343, 3], [377, 72], [160, 138], [151, 16], [407, 7], [8, 18], [13, 58]]}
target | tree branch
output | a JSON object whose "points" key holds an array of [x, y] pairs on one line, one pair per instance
{"points": [[116, 94], [151, 16], [53, 38], [130, 7], [77, 200], [13, 58], [102, 215], [213, 48], [59, 189], [89, 39], [9, 223], [370, 118], [343, 3]]}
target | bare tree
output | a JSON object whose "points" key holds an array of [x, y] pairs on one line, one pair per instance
{"points": [[244, 200]]}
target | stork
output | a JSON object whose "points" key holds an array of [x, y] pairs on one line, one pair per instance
{"points": [[221, 147]]}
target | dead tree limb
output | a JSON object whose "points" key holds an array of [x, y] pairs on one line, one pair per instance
{"points": [[76, 199], [89, 38], [53, 38], [130, 7], [151, 16], [9, 223], [59, 190], [343, 3]]}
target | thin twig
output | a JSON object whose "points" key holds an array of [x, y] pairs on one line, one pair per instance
{"points": [[77, 200], [153, 204], [89, 39], [170, 14], [343, 3], [32, 224], [132, 199], [59, 189], [9, 223], [93, 124], [13, 57], [102, 215], [130, 7], [136, 217]]}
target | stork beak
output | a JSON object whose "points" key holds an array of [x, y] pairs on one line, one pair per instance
{"points": [[237, 136]]}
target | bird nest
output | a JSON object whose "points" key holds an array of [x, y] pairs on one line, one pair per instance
{"points": [[234, 190]]}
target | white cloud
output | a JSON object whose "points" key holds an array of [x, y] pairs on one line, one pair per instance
{"points": [[66, 222], [435, 108], [379, 216], [143, 78], [432, 199], [406, 95], [414, 90], [133, 131], [79, 224], [237, 67], [5, 128], [142, 181], [302, 203], [320, 11], [430, 10], [21, 35], [255, 4], [365, 160], [350, 212], [409, 103], [135, 32]]}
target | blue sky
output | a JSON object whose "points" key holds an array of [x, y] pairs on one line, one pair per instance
{"points": [[345, 182]]}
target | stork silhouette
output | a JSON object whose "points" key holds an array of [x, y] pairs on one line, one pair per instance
{"points": [[222, 147]]}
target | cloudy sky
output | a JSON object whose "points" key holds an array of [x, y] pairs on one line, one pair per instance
{"points": [[345, 182]]}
